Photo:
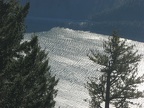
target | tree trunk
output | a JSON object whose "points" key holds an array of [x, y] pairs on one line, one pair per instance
{"points": [[107, 92]]}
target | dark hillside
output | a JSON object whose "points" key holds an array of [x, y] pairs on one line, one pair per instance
{"points": [[131, 11], [100, 16]]}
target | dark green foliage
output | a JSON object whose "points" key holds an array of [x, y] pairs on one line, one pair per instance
{"points": [[11, 33], [32, 85], [11, 30], [26, 80], [119, 80]]}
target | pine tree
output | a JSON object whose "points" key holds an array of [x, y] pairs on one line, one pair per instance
{"points": [[11, 33], [119, 78], [33, 85], [26, 80]]}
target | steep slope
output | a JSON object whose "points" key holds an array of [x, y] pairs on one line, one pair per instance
{"points": [[66, 9], [127, 18], [98, 16], [131, 10], [72, 9], [68, 51]]}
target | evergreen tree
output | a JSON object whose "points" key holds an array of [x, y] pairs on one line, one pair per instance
{"points": [[26, 80], [11, 33], [119, 78]]}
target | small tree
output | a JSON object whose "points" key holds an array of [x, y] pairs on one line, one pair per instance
{"points": [[119, 79], [26, 80], [32, 84]]}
